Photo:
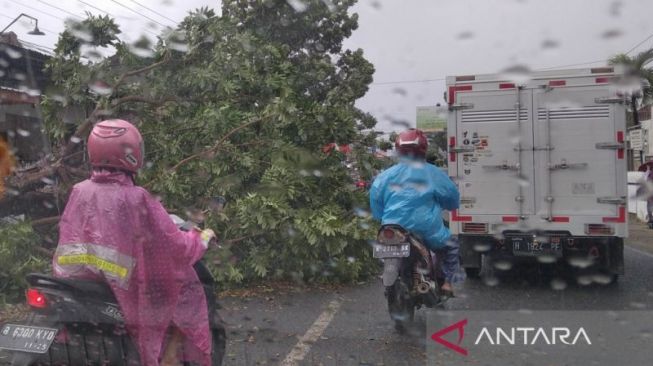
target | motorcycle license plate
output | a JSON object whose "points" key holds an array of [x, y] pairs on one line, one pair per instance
{"points": [[391, 251], [26, 338]]}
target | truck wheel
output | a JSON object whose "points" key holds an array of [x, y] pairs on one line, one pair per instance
{"points": [[472, 272]]}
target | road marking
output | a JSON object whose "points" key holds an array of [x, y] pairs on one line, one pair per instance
{"points": [[647, 254], [311, 336]]}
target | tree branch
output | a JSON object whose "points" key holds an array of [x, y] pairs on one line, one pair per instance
{"points": [[46, 221], [216, 146], [124, 76]]}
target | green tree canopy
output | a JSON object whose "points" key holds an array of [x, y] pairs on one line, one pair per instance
{"points": [[238, 105]]}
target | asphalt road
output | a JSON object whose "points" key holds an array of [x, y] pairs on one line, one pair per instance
{"points": [[351, 326]]}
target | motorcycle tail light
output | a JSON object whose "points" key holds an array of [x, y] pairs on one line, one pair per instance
{"points": [[388, 233], [36, 299]]}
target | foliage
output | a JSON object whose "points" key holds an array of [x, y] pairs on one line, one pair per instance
{"points": [[639, 68], [19, 256], [238, 105]]}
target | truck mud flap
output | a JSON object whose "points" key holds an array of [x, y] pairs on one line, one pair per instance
{"points": [[469, 257], [390, 271], [616, 256]]}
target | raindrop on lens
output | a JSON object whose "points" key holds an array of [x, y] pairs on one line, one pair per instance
{"points": [[465, 35], [558, 284], [100, 87], [491, 281], [75, 140], [12, 53], [23, 133], [503, 265], [298, 5], [482, 247], [549, 44], [519, 74], [546, 259], [611, 34]]}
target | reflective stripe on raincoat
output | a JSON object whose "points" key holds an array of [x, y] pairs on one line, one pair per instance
{"points": [[412, 194], [114, 231]]}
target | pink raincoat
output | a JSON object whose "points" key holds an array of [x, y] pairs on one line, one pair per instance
{"points": [[114, 231]]}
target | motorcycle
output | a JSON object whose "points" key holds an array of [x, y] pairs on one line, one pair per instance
{"points": [[74, 322], [411, 274]]}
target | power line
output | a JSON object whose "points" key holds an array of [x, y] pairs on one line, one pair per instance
{"points": [[139, 13], [572, 65], [106, 12], [60, 9], [35, 9], [154, 11], [408, 81], [639, 44]]}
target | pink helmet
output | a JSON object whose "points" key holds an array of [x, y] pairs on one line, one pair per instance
{"points": [[117, 144]]}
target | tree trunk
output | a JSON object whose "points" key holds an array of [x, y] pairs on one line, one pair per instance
{"points": [[633, 105]]}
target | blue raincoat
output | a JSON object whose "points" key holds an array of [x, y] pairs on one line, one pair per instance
{"points": [[413, 194]]}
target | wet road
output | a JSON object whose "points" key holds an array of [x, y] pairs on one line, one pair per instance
{"points": [[351, 326]]}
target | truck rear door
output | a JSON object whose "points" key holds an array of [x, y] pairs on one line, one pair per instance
{"points": [[575, 153], [495, 172]]}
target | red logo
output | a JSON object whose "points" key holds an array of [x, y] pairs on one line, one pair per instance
{"points": [[460, 326]]}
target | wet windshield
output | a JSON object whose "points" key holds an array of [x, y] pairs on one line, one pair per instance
{"points": [[326, 182]]}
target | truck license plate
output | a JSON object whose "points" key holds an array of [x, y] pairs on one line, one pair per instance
{"points": [[26, 338], [527, 246], [391, 251]]}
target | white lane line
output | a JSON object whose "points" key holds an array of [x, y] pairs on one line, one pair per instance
{"points": [[313, 333], [641, 252]]}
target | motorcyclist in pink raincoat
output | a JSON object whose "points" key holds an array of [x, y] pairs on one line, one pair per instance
{"points": [[115, 231]]}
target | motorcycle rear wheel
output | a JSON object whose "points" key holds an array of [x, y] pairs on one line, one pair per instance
{"points": [[400, 305]]}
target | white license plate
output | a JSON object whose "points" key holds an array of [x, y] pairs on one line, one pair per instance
{"points": [[391, 251], [26, 338]]}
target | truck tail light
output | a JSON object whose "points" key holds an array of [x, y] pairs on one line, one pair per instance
{"points": [[475, 227], [36, 298], [599, 229]]}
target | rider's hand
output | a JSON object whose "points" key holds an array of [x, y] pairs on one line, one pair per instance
{"points": [[207, 235]]}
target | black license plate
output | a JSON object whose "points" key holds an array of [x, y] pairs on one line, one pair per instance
{"points": [[528, 246], [26, 338]]}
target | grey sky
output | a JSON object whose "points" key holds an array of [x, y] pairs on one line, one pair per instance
{"points": [[410, 40]]}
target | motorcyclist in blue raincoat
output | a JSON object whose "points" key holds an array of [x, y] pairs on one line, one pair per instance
{"points": [[413, 194]]}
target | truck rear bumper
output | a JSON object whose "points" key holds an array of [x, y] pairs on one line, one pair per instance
{"points": [[604, 253]]}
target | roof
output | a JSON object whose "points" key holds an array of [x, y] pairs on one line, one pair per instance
{"points": [[21, 67]]}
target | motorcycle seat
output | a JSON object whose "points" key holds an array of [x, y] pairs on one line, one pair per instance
{"points": [[86, 288]]}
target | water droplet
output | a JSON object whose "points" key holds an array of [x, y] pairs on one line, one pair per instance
{"points": [[580, 262], [549, 44], [47, 181], [298, 5], [523, 181], [482, 247], [304, 173], [465, 35], [141, 51], [602, 279], [48, 204], [179, 46], [75, 140], [4, 63], [503, 265], [546, 259], [351, 259], [611, 34], [638, 305], [23, 133], [329, 4], [615, 8], [399, 91], [519, 74], [2, 73], [149, 165], [12, 53], [584, 280], [558, 284], [100, 87], [361, 212], [491, 281], [317, 173], [376, 4]]}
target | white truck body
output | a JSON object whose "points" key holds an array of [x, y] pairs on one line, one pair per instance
{"points": [[544, 155]]}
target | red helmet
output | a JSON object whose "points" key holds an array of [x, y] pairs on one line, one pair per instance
{"points": [[412, 142], [116, 144]]}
